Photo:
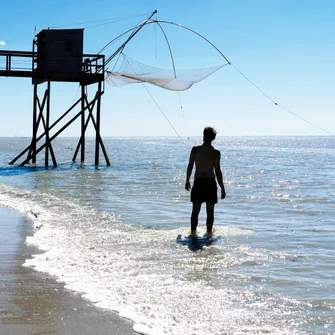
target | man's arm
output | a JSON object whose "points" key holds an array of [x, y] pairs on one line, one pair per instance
{"points": [[189, 170], [218, 173]]}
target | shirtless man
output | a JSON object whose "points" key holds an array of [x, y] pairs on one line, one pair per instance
{"points": [[207, 167]]}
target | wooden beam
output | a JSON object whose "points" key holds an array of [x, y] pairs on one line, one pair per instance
{"points": [[46, 127], [97, 128], [83, 127], [54, 124], [86, 124]]}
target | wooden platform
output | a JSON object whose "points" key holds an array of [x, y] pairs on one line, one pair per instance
{"points": [[23, 64]]}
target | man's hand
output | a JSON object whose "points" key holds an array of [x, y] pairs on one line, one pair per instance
{"points": [[223, 194], [187, 185]]}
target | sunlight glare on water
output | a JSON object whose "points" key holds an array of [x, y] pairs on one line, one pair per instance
{"points": [[271, 272]]}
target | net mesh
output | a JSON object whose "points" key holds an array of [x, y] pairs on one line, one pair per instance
{"points": [[131, 72]]}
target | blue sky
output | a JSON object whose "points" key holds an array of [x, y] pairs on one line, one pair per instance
{"points": [[286, 47]]}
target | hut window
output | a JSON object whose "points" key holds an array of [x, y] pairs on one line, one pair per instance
{"points": [[69, 46]]}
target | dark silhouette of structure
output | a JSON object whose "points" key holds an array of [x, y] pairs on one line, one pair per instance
{"points": [[57, 56]]}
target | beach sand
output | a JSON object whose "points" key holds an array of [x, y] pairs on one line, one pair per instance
{"points": [[34, 303]]}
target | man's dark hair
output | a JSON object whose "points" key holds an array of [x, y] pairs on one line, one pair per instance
{"points": [[209, 134]]}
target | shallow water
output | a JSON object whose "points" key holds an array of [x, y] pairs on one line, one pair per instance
{"points": [[110, 233]]}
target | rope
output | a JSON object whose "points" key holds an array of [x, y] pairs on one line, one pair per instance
{"points": [[182, 111], [117, 60], [158, 106], [301, 118], [112, 20], [154, 100], [252, 83], [280, 106]]}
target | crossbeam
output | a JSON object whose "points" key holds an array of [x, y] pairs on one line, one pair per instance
{"points": [[42, 117]]}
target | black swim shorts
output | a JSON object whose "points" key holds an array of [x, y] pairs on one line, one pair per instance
{"points": [[204, 190]]}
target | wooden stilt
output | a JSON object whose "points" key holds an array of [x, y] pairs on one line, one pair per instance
{"points": [[50, 146], [96, 123], [97, 129], [53, 125], [33, 141], [50, 62], [43, 116], [46, 127], [51, 138], [99, 138], [92, 103], [83, 128]]}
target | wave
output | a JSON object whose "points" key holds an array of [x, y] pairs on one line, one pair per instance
{"points": [[143, 275]]}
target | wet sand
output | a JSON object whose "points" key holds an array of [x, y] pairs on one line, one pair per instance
{"points": [[34, 303]]}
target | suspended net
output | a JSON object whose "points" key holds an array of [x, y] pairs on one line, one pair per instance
{"points": [[131, 72]]}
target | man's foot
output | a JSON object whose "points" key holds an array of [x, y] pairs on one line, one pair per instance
{"points": [[208, 234], [193, 234]]}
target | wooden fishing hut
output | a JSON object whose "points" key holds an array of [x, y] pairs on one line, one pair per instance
{"points": [[57, 56]]}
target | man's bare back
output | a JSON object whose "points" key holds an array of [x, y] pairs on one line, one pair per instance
{"points": [[207, 164], [204, 158]]}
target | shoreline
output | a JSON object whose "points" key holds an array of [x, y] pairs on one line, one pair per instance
{"points": [[32, 302]]}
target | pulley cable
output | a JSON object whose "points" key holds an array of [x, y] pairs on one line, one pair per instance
{"points": [[280, 106], [182, 112], [161, 110], [111, 20]]}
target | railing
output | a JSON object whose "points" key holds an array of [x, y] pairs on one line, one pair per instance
{"points": [[16, 61], [93, 64], [24, 64]]}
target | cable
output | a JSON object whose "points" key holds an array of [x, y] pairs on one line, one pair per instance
{"points": [[182, 111], [112, 20], [228, 62], [165, 116], [252, 83], [301, 118], [280, 106], [154, 100]]}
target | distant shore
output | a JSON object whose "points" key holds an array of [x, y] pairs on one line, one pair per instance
{"points": [[34, 303]]}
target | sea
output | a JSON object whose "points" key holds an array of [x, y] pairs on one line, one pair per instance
{"points": [[109, 232]]}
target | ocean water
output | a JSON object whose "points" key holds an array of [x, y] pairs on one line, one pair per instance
{"points": [[109, 233]]}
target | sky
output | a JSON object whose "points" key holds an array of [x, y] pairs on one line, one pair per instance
{"points": [[285, 47]]}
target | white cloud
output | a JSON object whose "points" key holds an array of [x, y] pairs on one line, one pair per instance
{"points": [[2, 43]]}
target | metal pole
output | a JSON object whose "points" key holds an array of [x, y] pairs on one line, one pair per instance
{"points": [[120, 49]]}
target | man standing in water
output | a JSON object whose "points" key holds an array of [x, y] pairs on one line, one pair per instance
{"points": [[207, 167]]}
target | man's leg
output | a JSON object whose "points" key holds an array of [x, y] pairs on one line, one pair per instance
{"points": [[194, 217], [210, 217]]}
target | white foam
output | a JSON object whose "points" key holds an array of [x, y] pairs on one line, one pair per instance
{"points": [[145, 330], [143, 274]]}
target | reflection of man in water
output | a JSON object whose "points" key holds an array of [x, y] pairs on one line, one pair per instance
{"points": [[207, 166]]}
